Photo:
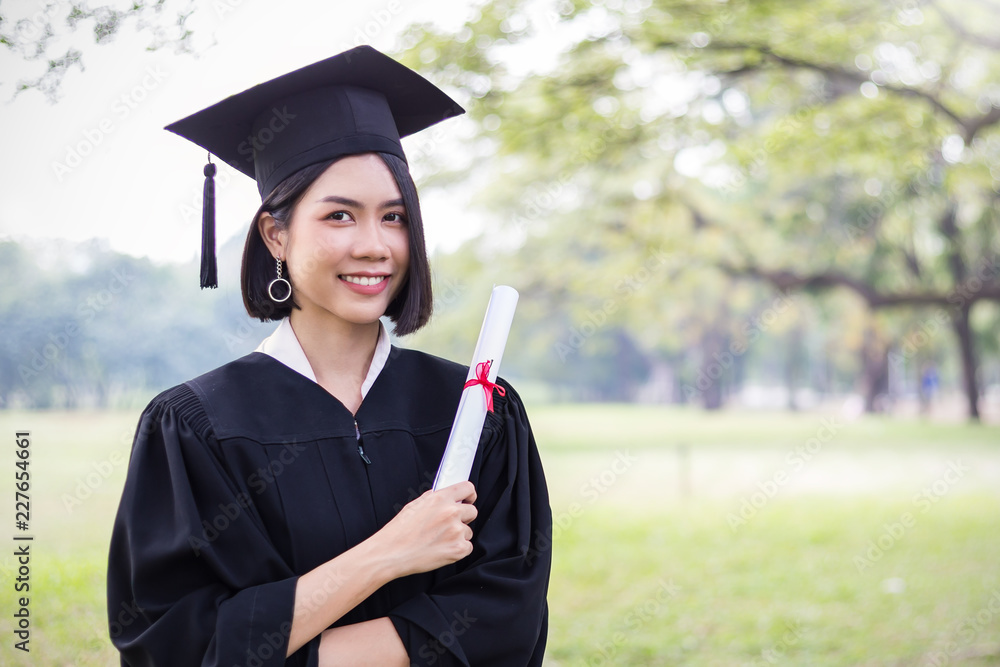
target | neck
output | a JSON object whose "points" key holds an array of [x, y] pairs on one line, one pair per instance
{"points": [[336, 349]]}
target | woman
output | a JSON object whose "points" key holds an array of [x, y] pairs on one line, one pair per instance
{"points": [[276, 510]]}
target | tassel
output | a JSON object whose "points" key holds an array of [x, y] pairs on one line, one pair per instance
{"points": [[209, 271]]}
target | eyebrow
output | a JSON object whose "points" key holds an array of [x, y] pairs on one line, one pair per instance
{"points": [[347, 201]]}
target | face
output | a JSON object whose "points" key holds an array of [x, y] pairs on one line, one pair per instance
{"points": [[346, 247]]}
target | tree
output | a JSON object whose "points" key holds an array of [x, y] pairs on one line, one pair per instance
{"points": [[39, 32], [64, 342], [831, 144]]}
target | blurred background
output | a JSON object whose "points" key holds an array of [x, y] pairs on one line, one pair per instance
{"points": [[758, 251]]}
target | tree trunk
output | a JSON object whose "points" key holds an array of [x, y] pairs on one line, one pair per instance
{"points": [[794, 363], [715, 364], [967, 348], [875, 375]]}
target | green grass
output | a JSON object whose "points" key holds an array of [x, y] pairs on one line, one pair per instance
{"points": [[643, 574], [679, 587], [588, 426]]}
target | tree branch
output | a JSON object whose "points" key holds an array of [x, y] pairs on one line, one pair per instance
{"points": [[992, 117], [962, 31], [788, 280], [912, 263], [970, 126], [949, 229]]}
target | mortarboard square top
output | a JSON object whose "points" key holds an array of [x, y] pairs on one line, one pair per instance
{"points": [[358, 101]]}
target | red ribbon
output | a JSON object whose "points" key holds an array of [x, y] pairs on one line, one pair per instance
{"points": [[482, 377]]}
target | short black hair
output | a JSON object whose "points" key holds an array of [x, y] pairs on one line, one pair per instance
{"points": [[412, 306]]}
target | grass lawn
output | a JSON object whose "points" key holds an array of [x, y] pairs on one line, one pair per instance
{"points": [[682, 538]]}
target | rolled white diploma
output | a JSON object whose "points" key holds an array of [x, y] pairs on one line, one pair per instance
{"points": [[456, 464]]}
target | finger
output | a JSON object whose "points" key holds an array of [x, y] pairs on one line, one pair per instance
{"points": [[470, 493], [461, 492], [468, 513]]}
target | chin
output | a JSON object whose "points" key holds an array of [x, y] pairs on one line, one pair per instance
{"points": [[363, 317]]}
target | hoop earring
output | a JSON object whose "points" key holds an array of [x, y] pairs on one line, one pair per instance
{"points": [[278, 281]]}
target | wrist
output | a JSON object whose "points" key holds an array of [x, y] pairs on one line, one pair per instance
{"points": [[380, 559]]}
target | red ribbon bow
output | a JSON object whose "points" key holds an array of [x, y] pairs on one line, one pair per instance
{"points": [[482, 377]]}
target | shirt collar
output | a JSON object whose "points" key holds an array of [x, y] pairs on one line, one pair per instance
{"points": [[283, 346]]}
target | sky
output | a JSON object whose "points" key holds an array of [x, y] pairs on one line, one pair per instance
{"points": [[97, 163]]}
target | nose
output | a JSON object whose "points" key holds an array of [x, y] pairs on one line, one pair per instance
{"points": [[370, 242]]}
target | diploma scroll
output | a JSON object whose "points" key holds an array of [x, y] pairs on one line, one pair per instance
{"points": [[456, 464]]}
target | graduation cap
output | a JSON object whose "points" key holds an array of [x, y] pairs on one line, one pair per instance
{"points": [[358, 101]]}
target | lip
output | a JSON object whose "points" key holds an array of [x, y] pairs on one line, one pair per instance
{"points": [[368, 290]]}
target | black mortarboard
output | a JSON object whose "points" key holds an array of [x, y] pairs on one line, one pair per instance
{"points": [[358, 101]]}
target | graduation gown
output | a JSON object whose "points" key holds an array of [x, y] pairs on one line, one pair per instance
{"points": [[249, 476]]}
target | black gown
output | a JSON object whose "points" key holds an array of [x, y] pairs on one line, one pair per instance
{"points": [[251, 475]]}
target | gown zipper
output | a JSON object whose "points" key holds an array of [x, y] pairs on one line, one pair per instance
{"points": [[361, 448]]}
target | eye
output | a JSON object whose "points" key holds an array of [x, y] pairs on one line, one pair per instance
{"points": [[339, 216], [395, 217]]}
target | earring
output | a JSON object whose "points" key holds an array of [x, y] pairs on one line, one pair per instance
{"points": [[286, 288]]}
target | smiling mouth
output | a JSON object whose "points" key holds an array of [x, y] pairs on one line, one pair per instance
{"points": [[364, 280]]}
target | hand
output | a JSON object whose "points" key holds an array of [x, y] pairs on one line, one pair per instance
{"points": [[432, 530]]}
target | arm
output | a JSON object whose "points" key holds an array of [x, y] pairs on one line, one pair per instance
{"points": [[491, 610], [370, 644], [181, 589], [428, 533]]}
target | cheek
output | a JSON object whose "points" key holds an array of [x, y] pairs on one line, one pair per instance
{"points": [[401, 247], [309, 254]]}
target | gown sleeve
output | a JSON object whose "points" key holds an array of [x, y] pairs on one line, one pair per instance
{"points": [[192, 578], [493, 610]]}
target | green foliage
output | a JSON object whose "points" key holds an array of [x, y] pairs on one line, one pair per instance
{"points": [[89, 327], [812, 145]]}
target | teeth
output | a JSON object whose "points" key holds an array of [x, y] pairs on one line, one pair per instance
{"points": [[364, 280]]}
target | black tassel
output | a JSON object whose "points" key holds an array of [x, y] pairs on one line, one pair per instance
{"points": [[209, 271]]}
